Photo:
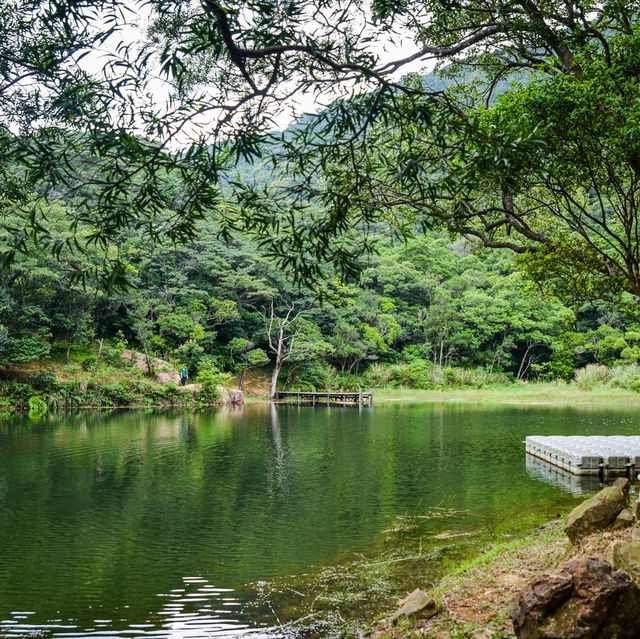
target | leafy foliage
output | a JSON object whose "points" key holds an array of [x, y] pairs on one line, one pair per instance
{"points": [[146, 140], [427, 314]]}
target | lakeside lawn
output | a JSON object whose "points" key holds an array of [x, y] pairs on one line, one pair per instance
{"points": [[533, 393]]}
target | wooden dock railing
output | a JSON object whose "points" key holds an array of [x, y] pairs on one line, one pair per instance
{"points": [[329, 396]]}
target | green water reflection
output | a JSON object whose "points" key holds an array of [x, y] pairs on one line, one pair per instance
{"points": [[136, 523]]}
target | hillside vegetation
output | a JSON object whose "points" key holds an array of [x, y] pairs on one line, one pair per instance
{"points": [[430, 313]]}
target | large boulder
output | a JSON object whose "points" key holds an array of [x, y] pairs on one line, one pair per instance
{"points": [[624, 484], [417, 604], [635, 509], [584, 599], [626, 556], [595, 513], [168, 377], [224, 393], [163, 371], [623, 520]]}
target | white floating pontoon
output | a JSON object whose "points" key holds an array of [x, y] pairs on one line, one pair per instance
{"points": [[588, 455]]}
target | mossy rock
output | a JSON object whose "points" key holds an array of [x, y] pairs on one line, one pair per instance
{"points": [[595, 513]]}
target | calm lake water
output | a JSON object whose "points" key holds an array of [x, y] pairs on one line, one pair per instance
{"points": [[136, 524]]}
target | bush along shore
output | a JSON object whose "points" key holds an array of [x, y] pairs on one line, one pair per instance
{"points": [[126, 379], [577, 581]]}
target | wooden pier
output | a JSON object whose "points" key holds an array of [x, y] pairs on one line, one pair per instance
{"points": [[359, 398]]}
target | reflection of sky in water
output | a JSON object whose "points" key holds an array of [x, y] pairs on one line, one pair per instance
{"points": [[198, 610]]}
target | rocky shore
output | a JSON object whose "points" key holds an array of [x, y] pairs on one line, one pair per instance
{"points": [[572, 579]]}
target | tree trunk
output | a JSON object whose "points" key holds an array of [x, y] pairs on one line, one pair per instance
{"points": [[274, 380], [69, 352], [522, 369], [241, 379], [150, 370], [497, 355]]}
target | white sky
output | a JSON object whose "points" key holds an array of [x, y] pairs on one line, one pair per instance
{"points": [[131, 33]]}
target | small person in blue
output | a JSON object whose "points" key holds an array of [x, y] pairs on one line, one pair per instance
{"points": [[184, 376]]}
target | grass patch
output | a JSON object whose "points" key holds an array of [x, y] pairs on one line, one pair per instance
{"points": [[534, 393]]}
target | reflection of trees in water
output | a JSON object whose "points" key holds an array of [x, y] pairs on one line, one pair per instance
{"points": [[231, 410], [187, 431], [277, 472]]}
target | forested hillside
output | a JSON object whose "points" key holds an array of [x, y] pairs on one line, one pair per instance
{"points": [[210, 284], [428, 313]]}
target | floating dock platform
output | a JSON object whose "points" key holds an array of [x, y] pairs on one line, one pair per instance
{"points": [[588, 455]]}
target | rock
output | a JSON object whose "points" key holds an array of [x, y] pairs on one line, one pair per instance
{"points": [[635, 509], [623, 520], [225, 395], [482, 633], [418, 604], [635, 534], [623, 484], [164, 372], [584, 599], [626, 556], [168, 377], [235, 397], [595, 513]]}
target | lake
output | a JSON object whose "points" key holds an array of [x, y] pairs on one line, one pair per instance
{"points": [[142, 523]]}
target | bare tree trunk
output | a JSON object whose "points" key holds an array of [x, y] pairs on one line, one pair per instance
{"points": [[354, 364], [282, 343], [532, 359], [274, 379], [522, 369], [69, 343], [497, 355], [241, 378], [292, 373], [100, 346]]}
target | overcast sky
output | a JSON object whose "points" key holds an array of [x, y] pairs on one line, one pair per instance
{"points": [[134, 31]]}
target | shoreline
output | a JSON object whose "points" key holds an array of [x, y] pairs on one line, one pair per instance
{"points": [[534, 394], [475, 596]]}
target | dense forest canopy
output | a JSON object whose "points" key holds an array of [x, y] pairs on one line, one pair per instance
{"points": [[158, 100], [428, 314], [138, 149]]}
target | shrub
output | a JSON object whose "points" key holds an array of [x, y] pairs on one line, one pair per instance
{"points": [[190, 353], [114, 348], [625, 377], [592, 375], [378, 375], [90, 364], [209, 380], [348, 382], [45, 380], [37, 406], [314, 376], [424, 375]]}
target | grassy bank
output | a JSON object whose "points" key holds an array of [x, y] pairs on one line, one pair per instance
{"points": [[533, 393]]}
